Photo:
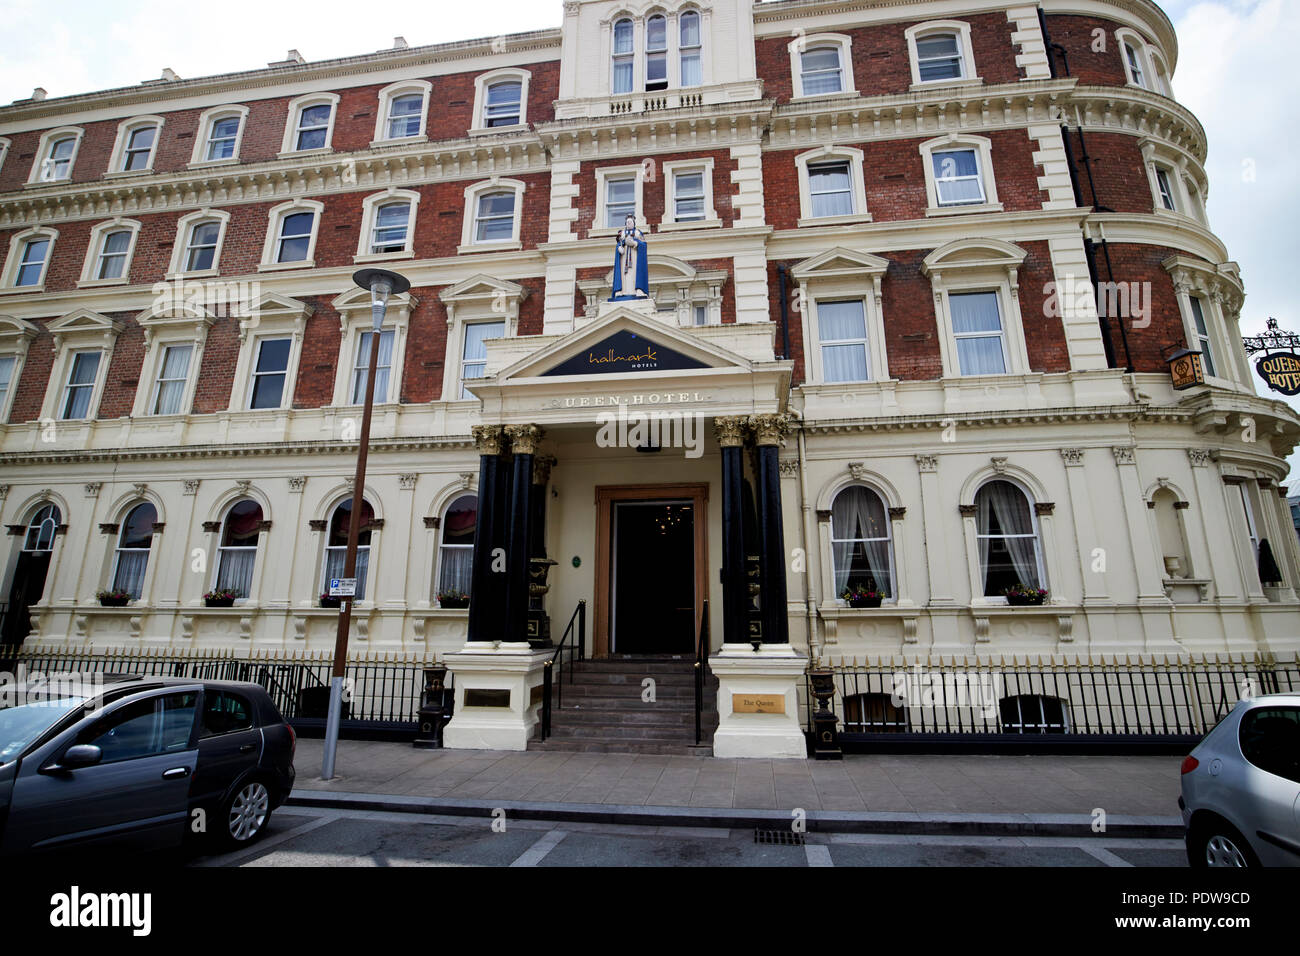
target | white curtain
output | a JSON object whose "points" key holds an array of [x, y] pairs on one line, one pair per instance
{"points": [[843, 322], [454, 568], [957, 175], [236, 570], [363, 368], [1007, 505], [335, 559], [131, 564], [977, 326], [171, 384], [831, 190], [860, 540], [691, 75]]}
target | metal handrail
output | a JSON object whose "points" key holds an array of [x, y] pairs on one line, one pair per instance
{"points": [[701, 654], [580, 615]]}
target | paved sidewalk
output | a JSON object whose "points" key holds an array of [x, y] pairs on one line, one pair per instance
{"points": [[971, 792]]}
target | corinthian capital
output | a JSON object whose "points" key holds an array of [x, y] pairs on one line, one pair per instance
{"points": [[730, 431], [488, 438], [769, 429], [524, 439]]}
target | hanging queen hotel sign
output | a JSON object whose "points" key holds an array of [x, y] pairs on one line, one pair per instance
{"points": [[1279, 369]]}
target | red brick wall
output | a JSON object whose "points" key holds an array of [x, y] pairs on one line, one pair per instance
{"points": [[893, 174], [1044, 335], [426, 345], [30, 391], [1132, 262], [653, 190], [319, 358], [1119, 172], [881, 63], [217, 373], [123, 374], [451, 109], [1103, 67]]}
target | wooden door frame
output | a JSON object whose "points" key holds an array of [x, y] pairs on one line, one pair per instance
{"points": [[606, 495]]}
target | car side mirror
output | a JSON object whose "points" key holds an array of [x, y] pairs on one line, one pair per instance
{"points": [[75, 757]]}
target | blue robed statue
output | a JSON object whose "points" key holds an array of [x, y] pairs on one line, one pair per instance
{"points": [[631, 267]]}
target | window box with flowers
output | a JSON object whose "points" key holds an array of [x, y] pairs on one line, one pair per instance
{"points": [[1020, 595], [453, 599], [117, 597], [859, 596], [220, 597]]}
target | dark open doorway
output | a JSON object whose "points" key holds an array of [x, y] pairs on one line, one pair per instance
{"points": [[653, 565]]}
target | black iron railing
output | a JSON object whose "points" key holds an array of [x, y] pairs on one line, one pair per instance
{"points": [[564, 653], [701, 657], [382, 693], [946, 703]]}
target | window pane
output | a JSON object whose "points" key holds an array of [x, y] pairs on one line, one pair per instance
{"points": [[221, 142], [33, 262], [476, 334], [623, 76], [203, 246], [496, 212], [656, 69], [242, 525], [623, 36], [839, 321], [404, 116], [829, 187], [390, 227], [844, 363], [975, 312], [137, 530], [821, 71], [273, 356], [860, 541], [295, 236], [84, 367], [503, 100], [691, 72], [690, 24], [656, 33]]}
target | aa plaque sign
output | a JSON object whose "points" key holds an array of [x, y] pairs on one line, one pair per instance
{"points": [[1281, 370]]}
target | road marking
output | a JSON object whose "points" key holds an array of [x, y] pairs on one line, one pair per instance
{"points": [[537, 852], [818, 854], [237, 857], [1101, 853]]}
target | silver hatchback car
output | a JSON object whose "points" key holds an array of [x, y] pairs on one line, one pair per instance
{"points": [[1241, 787]]}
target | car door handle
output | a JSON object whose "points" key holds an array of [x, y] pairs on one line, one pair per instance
{"points": [[175, 773], [247, 748]]}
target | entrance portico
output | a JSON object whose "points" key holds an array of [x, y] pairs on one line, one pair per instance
{"points": [[634, 412]]}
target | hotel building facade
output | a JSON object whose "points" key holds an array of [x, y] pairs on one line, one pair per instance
{"points": [[916, 274]]}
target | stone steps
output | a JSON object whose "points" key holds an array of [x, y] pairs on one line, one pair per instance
{"points": [[603, 710]]}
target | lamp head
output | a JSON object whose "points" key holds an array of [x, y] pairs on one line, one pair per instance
{"points": [[381, 284]]}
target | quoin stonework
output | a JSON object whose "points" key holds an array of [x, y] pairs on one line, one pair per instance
{"points": [[916, 272]]}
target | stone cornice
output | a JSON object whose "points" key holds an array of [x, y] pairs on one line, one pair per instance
{"points": [[660, 131], [264, 81], [1130, 110], [993, 419], [284, 449]]}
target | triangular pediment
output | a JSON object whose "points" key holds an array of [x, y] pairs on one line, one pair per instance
{"points": [[274, 304], [482, 286], [358, 298], [839, 262], [624, 342], [83, 320]]}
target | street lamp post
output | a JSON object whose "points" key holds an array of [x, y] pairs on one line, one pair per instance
{"points": [[381, 284]]}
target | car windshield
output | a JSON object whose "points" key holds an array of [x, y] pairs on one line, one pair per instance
{"points": [[23, 720]]}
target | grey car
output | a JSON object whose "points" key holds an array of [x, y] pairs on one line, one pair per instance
{"points": [[1241, 787], [145, 762]]}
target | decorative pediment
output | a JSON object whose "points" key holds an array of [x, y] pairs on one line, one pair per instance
{"points": [[839, 263], [84, 325], [15, 332], [357, 299], [180, 314], [973, 254], [624, 342], [274, 309]]}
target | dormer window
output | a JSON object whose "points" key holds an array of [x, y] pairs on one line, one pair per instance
{"points": [[656, 54], [624, 57]]}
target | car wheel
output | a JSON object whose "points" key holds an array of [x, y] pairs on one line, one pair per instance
{"points": [[1217, 844], [246, 813]]}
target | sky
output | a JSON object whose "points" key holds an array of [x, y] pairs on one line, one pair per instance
{"points": [[1234, 72]]}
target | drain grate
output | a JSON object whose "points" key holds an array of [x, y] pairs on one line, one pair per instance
{"points": [[779, 837]]}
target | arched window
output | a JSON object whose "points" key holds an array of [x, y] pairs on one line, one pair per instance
{"points": [[624, 56], [201, 246], [392, 221], [860, 543], [820, 71], [57, 163], [42, 528], [656, 53], [336, 549], [504, 103], [938, 57], [1033, 714], [238, 550], [138, 148], [133, 544], [405, 115], [494, 216], [113, 254], [689, 44], [1007, 532], [456, 550]]}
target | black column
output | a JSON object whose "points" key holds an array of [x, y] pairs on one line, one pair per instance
{"points": [[769, 430], [730, 433], [485, 585], [523, 440]]}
